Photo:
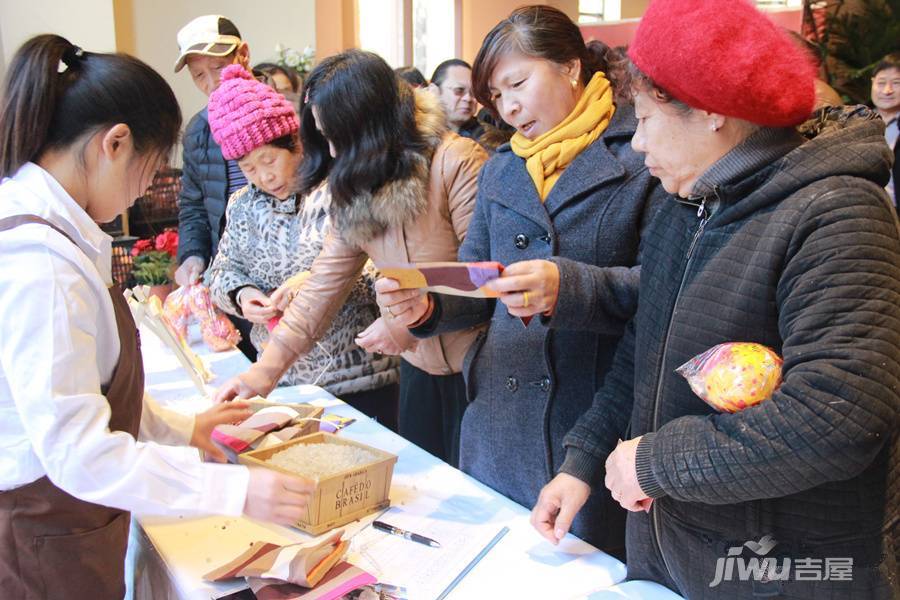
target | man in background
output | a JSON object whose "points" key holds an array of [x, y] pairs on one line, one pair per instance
{"points": [[451, 82], [206, 46], [886, 100]]}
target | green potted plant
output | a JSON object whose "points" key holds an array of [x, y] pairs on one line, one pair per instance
{"points": [[154, 262]]}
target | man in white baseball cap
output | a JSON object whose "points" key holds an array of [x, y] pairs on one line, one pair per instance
{"points": [[210, 36], [206, 46]]}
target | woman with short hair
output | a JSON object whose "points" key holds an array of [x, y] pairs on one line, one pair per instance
{"points": [[562, 206]]}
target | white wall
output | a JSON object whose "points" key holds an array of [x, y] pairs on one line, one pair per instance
{"points": [[87, 23], [147, 29]]}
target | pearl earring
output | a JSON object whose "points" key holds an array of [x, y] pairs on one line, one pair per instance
{"points": [[574, 82]]}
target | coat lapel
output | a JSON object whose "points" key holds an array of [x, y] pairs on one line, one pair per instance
{"points": [[514, 189], [595, 165]]}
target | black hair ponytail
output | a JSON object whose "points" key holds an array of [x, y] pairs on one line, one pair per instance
{"points": [[55, 93]]}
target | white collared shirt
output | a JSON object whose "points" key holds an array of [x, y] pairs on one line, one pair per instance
{"points": [[58, 344]]}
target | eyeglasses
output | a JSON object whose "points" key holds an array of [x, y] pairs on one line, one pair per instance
{"points": [[880, 84], [459, 92]]}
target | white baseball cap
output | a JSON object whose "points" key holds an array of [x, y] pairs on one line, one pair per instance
{"points": [[209, 35]]}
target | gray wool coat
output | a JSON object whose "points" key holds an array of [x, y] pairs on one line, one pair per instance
{"points": [[528, 385]]}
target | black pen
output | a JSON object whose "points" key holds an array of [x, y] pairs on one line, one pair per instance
{"points": [[415, 537]]}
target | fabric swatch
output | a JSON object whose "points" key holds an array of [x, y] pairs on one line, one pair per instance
{"points": [[304, 564], [268, 426], [457, 279], [342, 579]]}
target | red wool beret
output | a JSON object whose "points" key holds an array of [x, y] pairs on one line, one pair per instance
{"points": [[726, 57]]}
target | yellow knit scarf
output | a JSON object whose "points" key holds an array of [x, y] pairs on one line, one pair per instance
{"points": [[547, 156]]}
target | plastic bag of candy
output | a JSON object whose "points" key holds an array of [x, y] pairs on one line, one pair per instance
{"points": [[733, 376], [217, 330], [194, 302], [219, 333], [201, 303], [177, 310]]}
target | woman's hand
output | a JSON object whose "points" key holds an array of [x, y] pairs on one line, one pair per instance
{"points": [[377, 339], [621, 477], [285, 293], [405, 307], [205, 422], [246, 385], [559, 502], [189, 271], [528, 288], [256, 306], [277, 497]]}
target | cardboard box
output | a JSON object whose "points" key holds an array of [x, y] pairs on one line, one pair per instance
{"points": [[342, 497]]}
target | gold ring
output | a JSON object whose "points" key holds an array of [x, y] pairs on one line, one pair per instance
{"points": [[524, 299]]}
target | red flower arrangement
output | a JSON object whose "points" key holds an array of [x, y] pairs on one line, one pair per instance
{"points": [[154, 258]]}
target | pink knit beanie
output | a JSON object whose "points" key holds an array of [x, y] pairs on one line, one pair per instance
{"points": [[245, 114]]}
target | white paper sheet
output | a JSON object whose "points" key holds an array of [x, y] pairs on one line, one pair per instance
{"points": [[424, 571]]}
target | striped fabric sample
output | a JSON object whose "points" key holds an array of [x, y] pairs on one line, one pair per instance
{"points": [[457, 279], [268, 426], [339, 581], [290, 571]]}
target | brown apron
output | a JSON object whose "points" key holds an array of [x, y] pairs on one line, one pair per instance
{"points": [[53, 545]]}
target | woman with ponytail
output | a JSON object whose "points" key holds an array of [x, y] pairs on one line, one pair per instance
{"points": [[562, 206], [81, 135]]}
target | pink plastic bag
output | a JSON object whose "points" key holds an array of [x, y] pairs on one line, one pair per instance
{"points": [[733, 376], [194, 302], [177, 310]]}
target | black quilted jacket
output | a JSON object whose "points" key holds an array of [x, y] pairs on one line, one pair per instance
{"points": [[789, 243], [204, 190]]}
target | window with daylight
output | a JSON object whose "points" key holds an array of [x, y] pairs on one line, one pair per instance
{"points": [[434, 33], [421, 33], [598, 11], [381, 29]]}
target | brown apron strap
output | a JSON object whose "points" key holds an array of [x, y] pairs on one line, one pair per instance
{"points": [[125, 391], [16, 220], [126, 388]]}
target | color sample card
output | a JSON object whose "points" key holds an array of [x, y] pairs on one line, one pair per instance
{"points": [[453, 278]]}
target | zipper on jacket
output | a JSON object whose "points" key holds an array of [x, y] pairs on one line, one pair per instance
{"points": [[703, 215]]}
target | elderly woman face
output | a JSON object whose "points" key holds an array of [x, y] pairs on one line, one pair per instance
{"points": [[678, 146], [272, 169]]}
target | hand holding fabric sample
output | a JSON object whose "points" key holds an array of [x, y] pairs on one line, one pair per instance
{"points": [[406, 306], [528, 288], [457, 279]]}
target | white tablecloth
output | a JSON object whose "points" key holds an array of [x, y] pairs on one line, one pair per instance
{"points": [[169, 555]]}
